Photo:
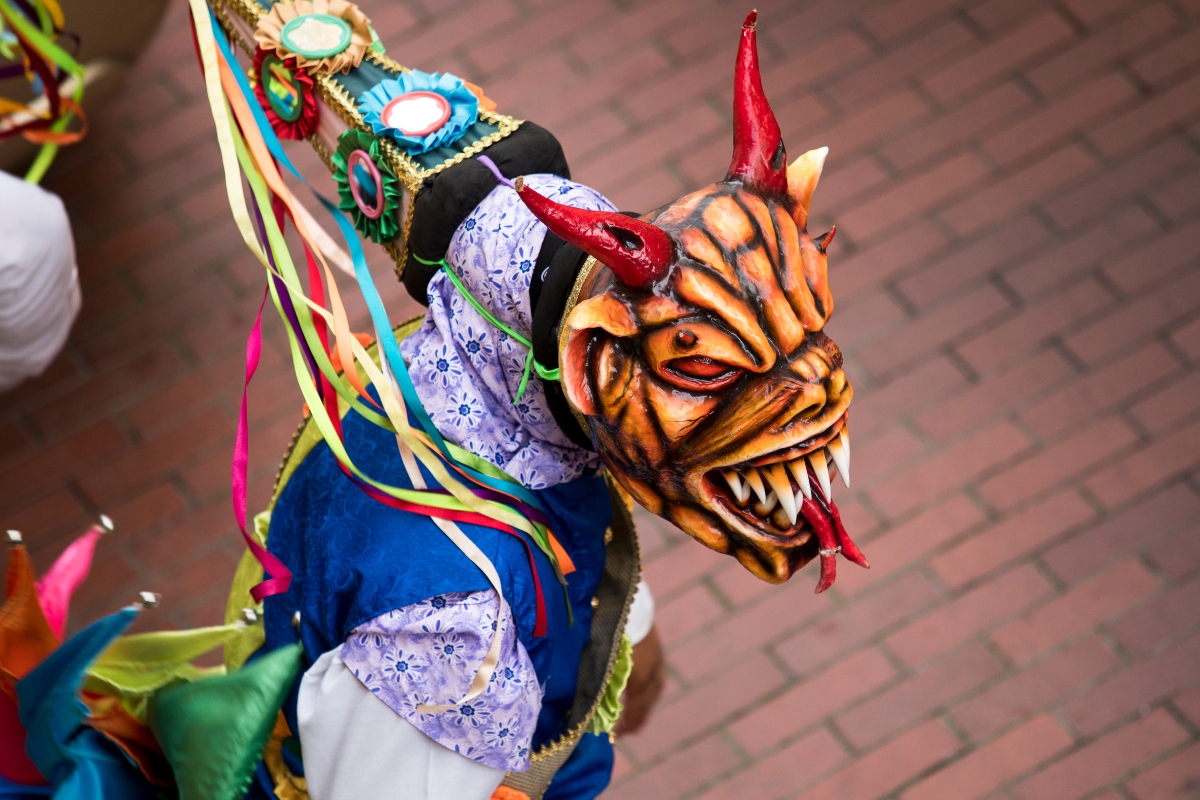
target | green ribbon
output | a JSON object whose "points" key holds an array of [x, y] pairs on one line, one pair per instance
{"points": [[531, 363]]}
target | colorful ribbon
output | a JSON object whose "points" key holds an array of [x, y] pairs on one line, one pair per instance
{"points": [[43, 59], [247, 140]]}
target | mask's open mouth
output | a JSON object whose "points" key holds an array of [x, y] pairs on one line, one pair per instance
{"points": [[787, 495], [770, 490]]}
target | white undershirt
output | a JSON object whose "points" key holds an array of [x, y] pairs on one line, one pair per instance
{"points": [[357, 748]]}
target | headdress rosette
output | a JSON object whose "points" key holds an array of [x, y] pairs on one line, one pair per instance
{"points": [[285, 93], [323, 36], [367, 186], [420, 110]]}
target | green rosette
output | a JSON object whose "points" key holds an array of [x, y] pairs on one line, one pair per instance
{"points": [[386, 226]]}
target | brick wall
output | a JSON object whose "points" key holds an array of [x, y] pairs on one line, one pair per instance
{"points": [[1016, 185]]}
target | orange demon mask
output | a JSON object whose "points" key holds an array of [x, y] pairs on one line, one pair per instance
{"points": [[696, 356]]}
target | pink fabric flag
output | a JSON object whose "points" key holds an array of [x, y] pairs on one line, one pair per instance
{"points": [[54, 589]]}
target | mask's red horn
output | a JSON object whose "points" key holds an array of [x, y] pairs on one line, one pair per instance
{"points": [[636, 251], [759, 158]]}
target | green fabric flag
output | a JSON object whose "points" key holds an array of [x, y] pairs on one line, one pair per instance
{"points": [[213, 731], [135, 667]]}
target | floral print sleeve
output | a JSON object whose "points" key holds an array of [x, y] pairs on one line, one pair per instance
{"points": [[428, 653]]}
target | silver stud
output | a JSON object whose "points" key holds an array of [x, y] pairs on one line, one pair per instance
{"points": [[296, 620], [106, 522], [249, 616], [149, 599], [13, 537]]}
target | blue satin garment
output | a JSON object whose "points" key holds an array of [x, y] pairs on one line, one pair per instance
{"points": [[353, 559]]}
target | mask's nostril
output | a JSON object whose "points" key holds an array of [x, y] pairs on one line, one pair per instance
{"points": [[808, 403]]}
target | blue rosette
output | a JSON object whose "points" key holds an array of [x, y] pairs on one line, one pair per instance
{"points": [[464, 108]]}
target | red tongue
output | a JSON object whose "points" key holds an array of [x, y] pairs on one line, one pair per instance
{"points": [[823, 515]]}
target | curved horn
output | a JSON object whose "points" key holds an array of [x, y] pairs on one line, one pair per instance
{"points": [[636, 251], [759, 158]]}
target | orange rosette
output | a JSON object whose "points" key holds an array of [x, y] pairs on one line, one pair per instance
{"points": [[322, 36]]}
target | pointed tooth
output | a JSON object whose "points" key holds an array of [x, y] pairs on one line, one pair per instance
{"points": [[764, 508], [817, 459], [800, 473], [741, 492], [755, 482], [841, 456], [777, 477]]}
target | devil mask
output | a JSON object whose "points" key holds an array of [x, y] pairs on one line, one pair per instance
{"points": [[696, 354]]}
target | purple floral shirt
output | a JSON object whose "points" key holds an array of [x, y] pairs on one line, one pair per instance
{"points": [[467, 372], [428, 653]]}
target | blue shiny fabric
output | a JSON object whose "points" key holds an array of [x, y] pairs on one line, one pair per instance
{"points": [[354, 559]]}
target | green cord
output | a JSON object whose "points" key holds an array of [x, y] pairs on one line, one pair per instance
{"points": [[531, 363]]}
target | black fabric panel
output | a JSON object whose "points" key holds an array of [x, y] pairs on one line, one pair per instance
{"points": [[554, 280], [446, 199], [558, 265], [550, 247]]}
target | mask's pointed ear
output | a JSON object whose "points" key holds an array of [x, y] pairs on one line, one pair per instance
{"points": [[802, 177], [601, 313]]}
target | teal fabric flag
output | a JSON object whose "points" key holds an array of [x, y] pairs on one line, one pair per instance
{"points": [[79, 762]]}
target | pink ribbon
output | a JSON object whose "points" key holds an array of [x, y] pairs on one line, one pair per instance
{"points": [[281, 576]]}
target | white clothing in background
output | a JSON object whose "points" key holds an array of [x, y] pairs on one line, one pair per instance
{"points": [[39, 284]]}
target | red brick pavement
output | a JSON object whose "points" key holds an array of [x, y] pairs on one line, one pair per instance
{"points": [[1016, 185]]}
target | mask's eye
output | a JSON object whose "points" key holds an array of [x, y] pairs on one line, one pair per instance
{"points": [[699, 372]]}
